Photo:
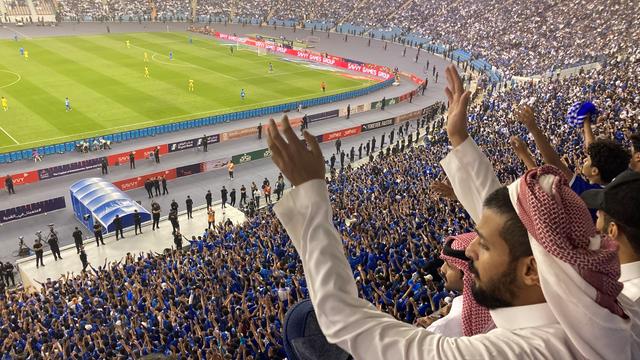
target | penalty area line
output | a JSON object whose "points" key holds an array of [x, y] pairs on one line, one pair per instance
{"points": [[9, 135]]}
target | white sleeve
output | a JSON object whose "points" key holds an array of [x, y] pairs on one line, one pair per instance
{"points": [[353, 323], [471, 175], [450, 325]]}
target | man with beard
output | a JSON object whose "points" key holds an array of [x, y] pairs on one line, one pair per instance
{"points": [[538, 264], [466, 317], [618, 206]]}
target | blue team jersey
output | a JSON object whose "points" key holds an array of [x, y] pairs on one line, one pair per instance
{"points": [[580, 185]]}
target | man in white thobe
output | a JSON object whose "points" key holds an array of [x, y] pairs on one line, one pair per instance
{"points": [[552, 292]]}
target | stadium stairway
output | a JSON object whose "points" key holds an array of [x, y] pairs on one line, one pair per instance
{"points": [[400, 8], [32, 8]]}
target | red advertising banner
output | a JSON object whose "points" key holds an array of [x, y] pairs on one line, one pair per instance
{"points": [[369, 69], [28, 177], [415, 79], [139, 154], [137, 182], [404, 97], [341, 133]]}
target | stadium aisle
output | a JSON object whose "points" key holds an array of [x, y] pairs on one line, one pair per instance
{"points": [[149, 241]]}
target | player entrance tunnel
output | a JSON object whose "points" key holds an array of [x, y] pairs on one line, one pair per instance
{"points": [[95, 199]]}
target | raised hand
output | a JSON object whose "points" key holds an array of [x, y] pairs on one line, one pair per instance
{"points": [[518, 145], [522, 151], [443, 189], [298, 162], [458, 103], [526, 116]]}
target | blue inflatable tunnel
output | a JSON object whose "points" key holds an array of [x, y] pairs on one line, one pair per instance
{"points": [[95, 199]]}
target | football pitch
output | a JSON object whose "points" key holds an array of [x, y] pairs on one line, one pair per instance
{"points": [[108, 91]]}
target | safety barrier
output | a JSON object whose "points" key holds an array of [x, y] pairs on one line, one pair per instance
{"points": [[188, 124]]}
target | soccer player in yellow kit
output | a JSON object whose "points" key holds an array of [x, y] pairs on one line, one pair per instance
{"points": [[26, 54], [146, 57], [191, 85], [5, 103], [146, 72], [128, 44]]}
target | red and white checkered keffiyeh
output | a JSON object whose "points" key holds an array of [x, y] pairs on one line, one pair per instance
{"points": [[578, 268], [476, 319]]}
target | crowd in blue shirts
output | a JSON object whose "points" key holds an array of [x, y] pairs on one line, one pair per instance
{"points": [[225, 296]]}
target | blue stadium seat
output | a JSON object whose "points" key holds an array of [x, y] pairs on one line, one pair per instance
{"points": [[175, 127], [125, 136], [60, 148], [16, 155], [69, 146], [143, 132]]}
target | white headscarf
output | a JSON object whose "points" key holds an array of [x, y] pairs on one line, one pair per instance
{"points": [[578, 268]]}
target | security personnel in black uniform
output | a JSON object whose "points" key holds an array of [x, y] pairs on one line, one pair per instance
{"points": [[137, 221], [38, 249], [117, 222], [97, 232], [189, 203], [53, 243], [77, 239]]}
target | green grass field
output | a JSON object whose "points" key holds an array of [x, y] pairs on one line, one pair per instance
{"points": [[109, 93]]}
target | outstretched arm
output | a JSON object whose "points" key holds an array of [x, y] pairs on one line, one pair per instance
{"points": [[588, 132], [549, 155], [352, 323], [522, 150], [468, 169]]}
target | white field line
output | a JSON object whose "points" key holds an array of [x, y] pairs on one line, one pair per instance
{"points": [[9, 135], [14, 73], [153, 57], [186, 117], [18, 32]]}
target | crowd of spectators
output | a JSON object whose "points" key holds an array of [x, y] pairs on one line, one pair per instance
{"points": [[551, 34], [225, 296]]}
